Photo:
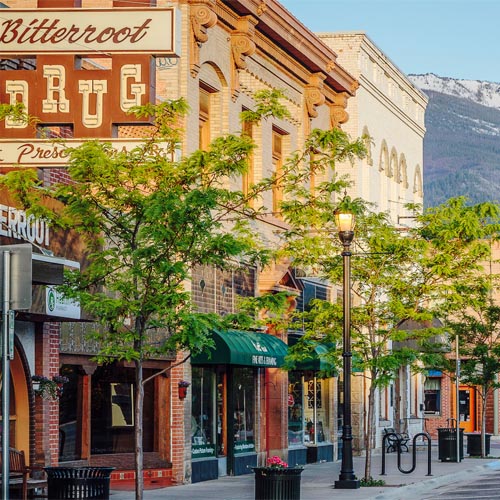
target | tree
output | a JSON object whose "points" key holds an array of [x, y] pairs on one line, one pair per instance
{"points": [[396, 276], [474, 319], [147, 219]]}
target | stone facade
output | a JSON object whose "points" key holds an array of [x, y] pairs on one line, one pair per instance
{"points": [[390, 110]]}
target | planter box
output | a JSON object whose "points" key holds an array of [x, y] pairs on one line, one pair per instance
{"points": [[277, 484]]}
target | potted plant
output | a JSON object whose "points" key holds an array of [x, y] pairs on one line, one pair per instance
{"points": [[277, 481], [46, 388], [183, 386]]}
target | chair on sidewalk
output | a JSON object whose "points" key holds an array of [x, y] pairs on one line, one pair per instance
{"points": [[19, 476]]}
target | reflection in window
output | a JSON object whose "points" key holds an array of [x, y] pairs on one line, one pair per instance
{"points": [[244, 403], [202, 413], [295, 409], [122, 405]]}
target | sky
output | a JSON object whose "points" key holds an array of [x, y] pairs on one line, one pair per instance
{"points": [[452, 38]]}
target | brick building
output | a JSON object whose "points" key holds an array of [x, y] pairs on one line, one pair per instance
{"points": [[79, 72]]}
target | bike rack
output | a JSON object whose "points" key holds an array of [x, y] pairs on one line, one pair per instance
{"points": [[414, 453]]}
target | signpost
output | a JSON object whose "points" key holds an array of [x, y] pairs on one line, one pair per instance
{"points": [[15, 271]]}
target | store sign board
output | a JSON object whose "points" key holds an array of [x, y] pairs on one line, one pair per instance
{"points": [[59, 91], [86, 31], [244, 447], [57, 305], [39, 152], [202, 450]]}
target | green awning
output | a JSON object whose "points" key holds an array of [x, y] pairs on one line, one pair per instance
{"points": [[235, 347], [316, 361]]}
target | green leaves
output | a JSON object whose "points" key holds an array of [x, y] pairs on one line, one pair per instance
{"points": [[148, 219]]}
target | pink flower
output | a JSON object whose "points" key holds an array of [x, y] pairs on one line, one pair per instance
{"points": [[276, 462]]}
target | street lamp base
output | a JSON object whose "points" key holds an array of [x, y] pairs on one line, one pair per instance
{"points": [[347, 484]]}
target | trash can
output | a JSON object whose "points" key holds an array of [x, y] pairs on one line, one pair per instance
{"points": [[474, 444], [447, 444], [277, 484], [78, 482]]}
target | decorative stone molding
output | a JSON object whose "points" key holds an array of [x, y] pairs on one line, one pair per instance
{"points": [[338, 113], [261, 9], [202, 17], [242, 46], [313, 94]]}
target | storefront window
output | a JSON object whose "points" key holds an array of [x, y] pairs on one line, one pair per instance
{"points": [[203, 412], [309, 409], [317, 410], [295, 409], [432, 395], [244, 410], [112, 404], [70, 417]]}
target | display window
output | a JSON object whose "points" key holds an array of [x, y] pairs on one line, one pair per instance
{"points": [[203, 416], [309, 409], [243, 399]]}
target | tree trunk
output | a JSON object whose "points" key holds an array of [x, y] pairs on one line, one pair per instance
{"points": [[369, 432], [138, 412]]}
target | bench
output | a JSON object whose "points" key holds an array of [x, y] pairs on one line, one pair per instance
{"points": [[395, 440], [19, 476]]}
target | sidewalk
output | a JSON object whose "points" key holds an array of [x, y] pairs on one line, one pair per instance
{"points": [[317, 480]]}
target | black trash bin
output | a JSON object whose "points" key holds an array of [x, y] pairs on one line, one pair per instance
{"points": [[447, 444], [277, 484], [78, 482], [474, 444]]}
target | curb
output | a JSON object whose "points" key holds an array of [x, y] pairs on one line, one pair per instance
{"points": [[428, 485]]}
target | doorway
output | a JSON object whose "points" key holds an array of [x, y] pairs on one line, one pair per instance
{"points": [[467, 408]]}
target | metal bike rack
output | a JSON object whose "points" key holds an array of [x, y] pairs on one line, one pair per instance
{"points": [[414, 452]]}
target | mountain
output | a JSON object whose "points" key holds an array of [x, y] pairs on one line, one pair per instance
{"points": [[462, 142]]}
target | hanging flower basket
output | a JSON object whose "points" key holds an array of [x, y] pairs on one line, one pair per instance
{"points": [[46, 388], [182, 388], [277, 481]]}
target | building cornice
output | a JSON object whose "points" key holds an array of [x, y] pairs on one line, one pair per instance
{"points": [[304, 47]]}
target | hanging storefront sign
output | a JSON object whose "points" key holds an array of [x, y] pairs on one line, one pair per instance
{"points": [[85, 31], [57, 305]]}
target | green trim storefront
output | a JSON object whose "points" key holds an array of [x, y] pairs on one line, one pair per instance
{"points": [[227, 401]]}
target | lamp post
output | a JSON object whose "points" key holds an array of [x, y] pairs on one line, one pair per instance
{"points": [[347, 478]]}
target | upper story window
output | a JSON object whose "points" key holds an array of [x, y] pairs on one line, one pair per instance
{"points": [[248, 176], [204, 118], [278, 158]]}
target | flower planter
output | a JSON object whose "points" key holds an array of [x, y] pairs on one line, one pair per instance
{"points": [[273, 483], [182, 392]]}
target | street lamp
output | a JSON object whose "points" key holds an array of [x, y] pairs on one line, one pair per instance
{"points": [[345, 225]]}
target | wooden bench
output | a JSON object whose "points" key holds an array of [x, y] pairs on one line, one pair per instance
{"points": [[396, 439], [19, 477]]}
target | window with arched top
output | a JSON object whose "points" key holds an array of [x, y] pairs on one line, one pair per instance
{"points": [[384, 157], [403, 171], [368, 141], [417, 182], [393, 163]]}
